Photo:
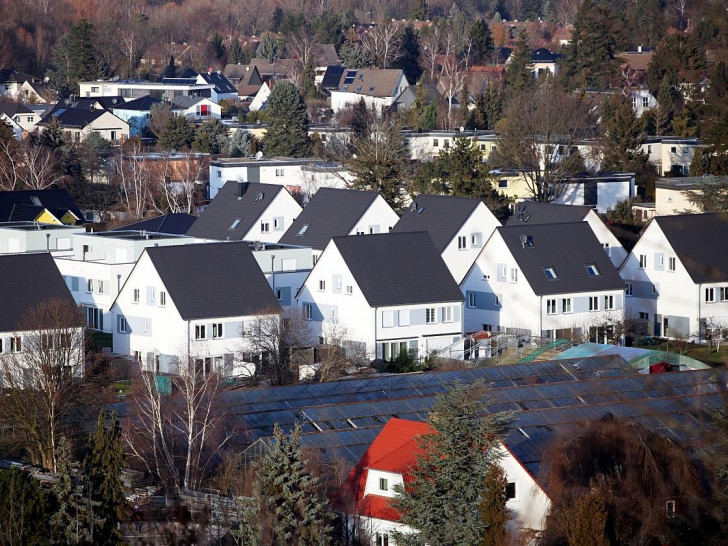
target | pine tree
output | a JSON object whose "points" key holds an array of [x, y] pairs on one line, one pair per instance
{"points": [[240, 143], [428, 119], [519, 77], [479, 34], [268, 49], [622, 131], [211, 137], [236, 55], [409, 48], [352, 54], [287, 120], [177, 134], [447, 485], [218, 45], [277, 19], [309, 81], [24, 509], [294, 513], [104, 462], [493, 511], [53, 136], [420, 11], [75, 59], [590, 523]]}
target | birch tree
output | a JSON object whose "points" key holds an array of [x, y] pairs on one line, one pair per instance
{"points": [[133, 180]]}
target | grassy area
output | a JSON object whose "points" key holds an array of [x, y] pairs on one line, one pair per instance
{"points": [[122, 387], [693, 350]]}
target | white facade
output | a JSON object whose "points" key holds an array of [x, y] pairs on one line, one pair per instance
{"points": [[331, 295], [133, 89], [671, 196], [285, 269], [664, 295], [642, 101], [498, 297], [261, 98], [348, 96], [614, 249], [429, 145], [148, 326], [670, 154], [203, 110], [18, 237]]}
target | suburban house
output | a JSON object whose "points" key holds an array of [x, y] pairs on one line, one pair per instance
{"points": [[671, 194], [260, 100], [196, 108], [676, 277], [136, 113], [285, 267], [43, 206], [10, 82], [336, 212], [79, 123], [173, 223], [134, 89], [248, 212], [669, 154], [369, 488], [544, 62], [535, 213], [377, 87], [390, 293], [36, 279], [458, 226], [222, 89], [16, 237], [96, 265], [429, 144], [196, 302], [21, 118], [549, 280]]}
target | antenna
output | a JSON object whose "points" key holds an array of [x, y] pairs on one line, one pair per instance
{"points": [[258, 155]]}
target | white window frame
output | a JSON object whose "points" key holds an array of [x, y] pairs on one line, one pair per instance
{"points": [[514, 275], [643, 261], [383, 484], [265, 226], [671, 264], [16, 344], [447, 314], [462, 242], [308, 311], [567, 306], [322, 285], [349, 289], [551, 308], [609, 303], [200, 331], [123, 325], [162, 298], [472, 300], [431, 315], [217, 330], [592, 270], [136, 295], [550, 273], [710, 295], [628, 289], [593, 303]]}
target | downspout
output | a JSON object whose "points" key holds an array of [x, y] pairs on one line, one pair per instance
{"points": [[540, 316], [189, 347], [375, 336], [700, 287]]}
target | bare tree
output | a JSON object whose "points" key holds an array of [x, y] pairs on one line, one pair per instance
{"points": [[430, 45], [566, 11], [338, 353], [452, 79], [133, 180], [178, 182], [40, 371], [681, 6], [39, 167], [382, 43]]}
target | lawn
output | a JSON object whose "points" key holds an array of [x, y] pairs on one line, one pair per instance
{"points": [[693, 350]]}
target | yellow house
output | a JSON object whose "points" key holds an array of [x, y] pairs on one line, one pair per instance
{"points": [[52, 206]]}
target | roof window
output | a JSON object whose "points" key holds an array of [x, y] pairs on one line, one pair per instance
{"points": [[303, 229], [550, 273], [592, 270]]}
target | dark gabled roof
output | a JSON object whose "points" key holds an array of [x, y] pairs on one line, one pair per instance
{"points": [[184, 101], [566, 247], [535, 212], [225, 209], [697, 241], [75, 117], [330, 213], [221, 83], [25, 213], [398, 269], [439, 215], [142, 104], [12, 75], [83, 104], [58, 202], [332, 77], [173, 224], [27, 281], [543, 55], [11, 109], [213, 280]]}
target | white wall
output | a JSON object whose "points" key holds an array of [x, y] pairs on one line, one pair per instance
{"points": [[284, 208], [616, 251], [378, 218], [531, 504]]}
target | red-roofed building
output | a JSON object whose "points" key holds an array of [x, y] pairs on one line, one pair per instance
{"points": [[369, 488]]}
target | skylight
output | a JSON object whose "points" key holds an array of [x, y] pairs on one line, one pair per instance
{"points": [[592, 270], [303, 229], [235, 223], [550, 273]]}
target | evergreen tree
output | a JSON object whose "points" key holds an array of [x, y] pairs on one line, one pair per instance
{"points": [[171, 69], [268, 49], [352, 54], [493, 511], [294, 513], [287, 120], [428, 119], [240, 143], [679, 59], [488, 108], [211, 137], [25, 509], [622, 132], [447, 486], [75, 59], [589, 60], [309, 81], [479, 34], [277, 19], [409, 48], [104, 462], [53, 136], [218, 45], [419, 11], [519, 77], [6, 132], [177, 134], [590, 523], [236, 55]]}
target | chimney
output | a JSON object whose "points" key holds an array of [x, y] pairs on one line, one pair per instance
{"points": [[241, 189]]}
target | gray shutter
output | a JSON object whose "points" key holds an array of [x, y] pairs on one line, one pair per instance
{"points": [[74, 284], [417, 316]]}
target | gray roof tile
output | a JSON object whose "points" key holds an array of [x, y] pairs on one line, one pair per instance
{"points": [[535, 212]]}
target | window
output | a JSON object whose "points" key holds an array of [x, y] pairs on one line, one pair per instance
{"points": [[322, 285], [673, 150], [628, 288], [94, 318], [462, 242], [643, 261], [475, 239], [645, 102], [219, 173], [152, 295], [670, 509], [200, 331], [566, 305], [592, 270], [383, 484], [90, 285], [382, 539], [279, 172], [447, 314], [217, 331], [609, 303], [265, 226], [303, 229], [550, 307], [510, 490], [710, 295], [550, 273], [644, 316], [123, 326], [654, 289], [135, 298], [349, 289], [671, 263], [472, 300], [435, 143], [430, 315], [277, 223], [235, 223], [308, 311], [514, 274], [593, 303], [162, 299], [446, 143], [503, 183], [16, 344], [497, 300], [723, 293], [146, 325]]}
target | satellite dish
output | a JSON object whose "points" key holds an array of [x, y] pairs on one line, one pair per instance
{"points": [[258, 155], [524, 239], [462, 129], [257, 245], [259, 196]]}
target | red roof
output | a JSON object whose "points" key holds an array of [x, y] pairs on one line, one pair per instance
{"points": [[394, 450]]}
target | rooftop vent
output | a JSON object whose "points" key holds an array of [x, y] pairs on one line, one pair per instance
{"points": [[526, 241], [259, 197]]}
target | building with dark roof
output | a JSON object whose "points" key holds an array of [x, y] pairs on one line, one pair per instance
{"points": [[45, 206], [677, 276], [173, 224], [377, 87], [391, 292], [243, 211], [192, 303], [78, 122], [548, 280], [336, 212], [458, 226]]}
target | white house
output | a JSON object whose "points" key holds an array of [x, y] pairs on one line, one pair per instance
{"points": [[196, 108], [21, 118], [671, 194], [136, 113], [377, 87], [548, 280], [96, 265], [134, 89], [390, 292], [248, 212], [670, 154], [78, 123], [336, 212], [16, 237], [285, 267], [527, 213], [194, 302], [261, 97], [677, 276], [544, 62], [458, 226]]}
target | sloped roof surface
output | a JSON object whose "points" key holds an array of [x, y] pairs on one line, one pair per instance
{"points": [[330, 213], [535, 212], [441, 216], [173, 224], [375, 82], [543, 55], [11, 109], [27, 281], [213, 280], [58, 202], [567, 248], [187, 101], [221, 83], [144, 103], [398, 269], [225, 209], [697, 240]]}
